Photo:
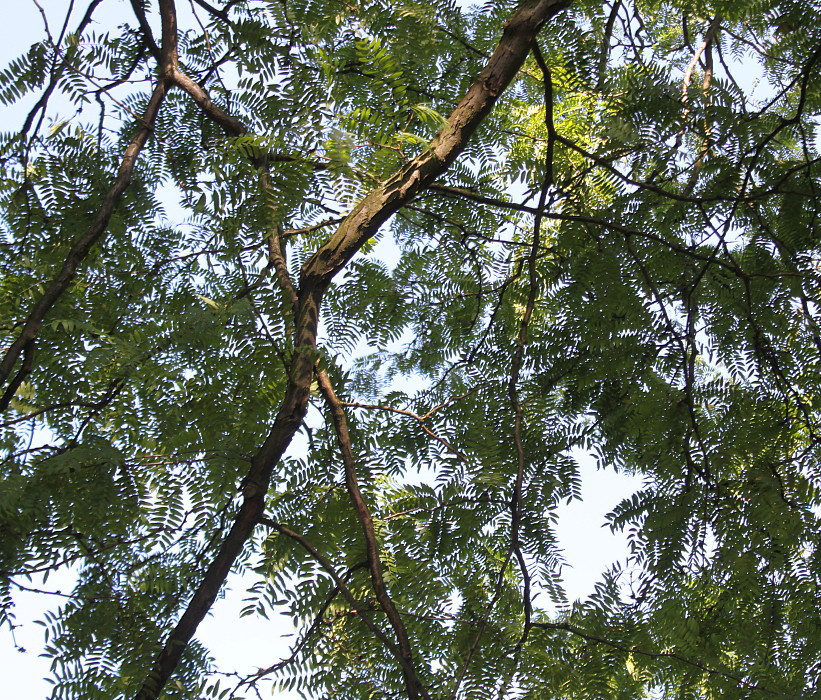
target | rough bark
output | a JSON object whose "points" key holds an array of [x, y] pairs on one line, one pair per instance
{"points": [[315, 277]]}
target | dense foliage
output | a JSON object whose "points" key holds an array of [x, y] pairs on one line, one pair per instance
{"points": [[447, 269]]}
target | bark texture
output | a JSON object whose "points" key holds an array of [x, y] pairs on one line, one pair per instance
{"points": [[316, 275]]}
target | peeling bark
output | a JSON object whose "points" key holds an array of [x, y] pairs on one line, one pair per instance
{"points": [[316, 275]]}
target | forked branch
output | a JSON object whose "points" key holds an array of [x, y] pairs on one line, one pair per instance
{"points": [[317, 273]]}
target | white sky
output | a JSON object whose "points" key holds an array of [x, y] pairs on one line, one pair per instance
{"points": [[244, 644]]}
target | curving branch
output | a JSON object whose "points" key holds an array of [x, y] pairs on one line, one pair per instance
{"points": [[222, 14], [601, 69], [338, 579], [514, 548], [405, 655], [145, 28], [317, 273]]}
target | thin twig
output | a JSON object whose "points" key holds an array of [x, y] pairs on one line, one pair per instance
{"points": [[565, 627], [514, 548]]}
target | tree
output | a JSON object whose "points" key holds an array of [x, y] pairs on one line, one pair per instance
{"points": [[447, 247]]}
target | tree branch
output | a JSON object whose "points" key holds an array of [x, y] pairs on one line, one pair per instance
{"points": [[514, 547], [419, 419], [653, 655], [305, 637], [334, 574], [145, 29], [360, 225], [83, 245], [412, 684]]}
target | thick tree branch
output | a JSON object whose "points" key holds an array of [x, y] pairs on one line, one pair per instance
{"points": [[231, 125], [19, 378], [384, 201], [360, 225]]}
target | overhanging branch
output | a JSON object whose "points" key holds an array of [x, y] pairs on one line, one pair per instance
{"points": [[360, 225]]}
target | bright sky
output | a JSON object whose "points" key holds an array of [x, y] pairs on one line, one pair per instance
{"points": [[244, 644]]}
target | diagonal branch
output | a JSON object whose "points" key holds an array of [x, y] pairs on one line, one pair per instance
{"points": [[704, 46], [384, 201], [145, 28], [412, 684], [231, 125], [221, 14], [96, 230], [305, 638], [55, 75], [335, 576], [316, 275]]}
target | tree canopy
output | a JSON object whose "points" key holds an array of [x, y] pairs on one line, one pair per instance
{"points": [[334, 293]]}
